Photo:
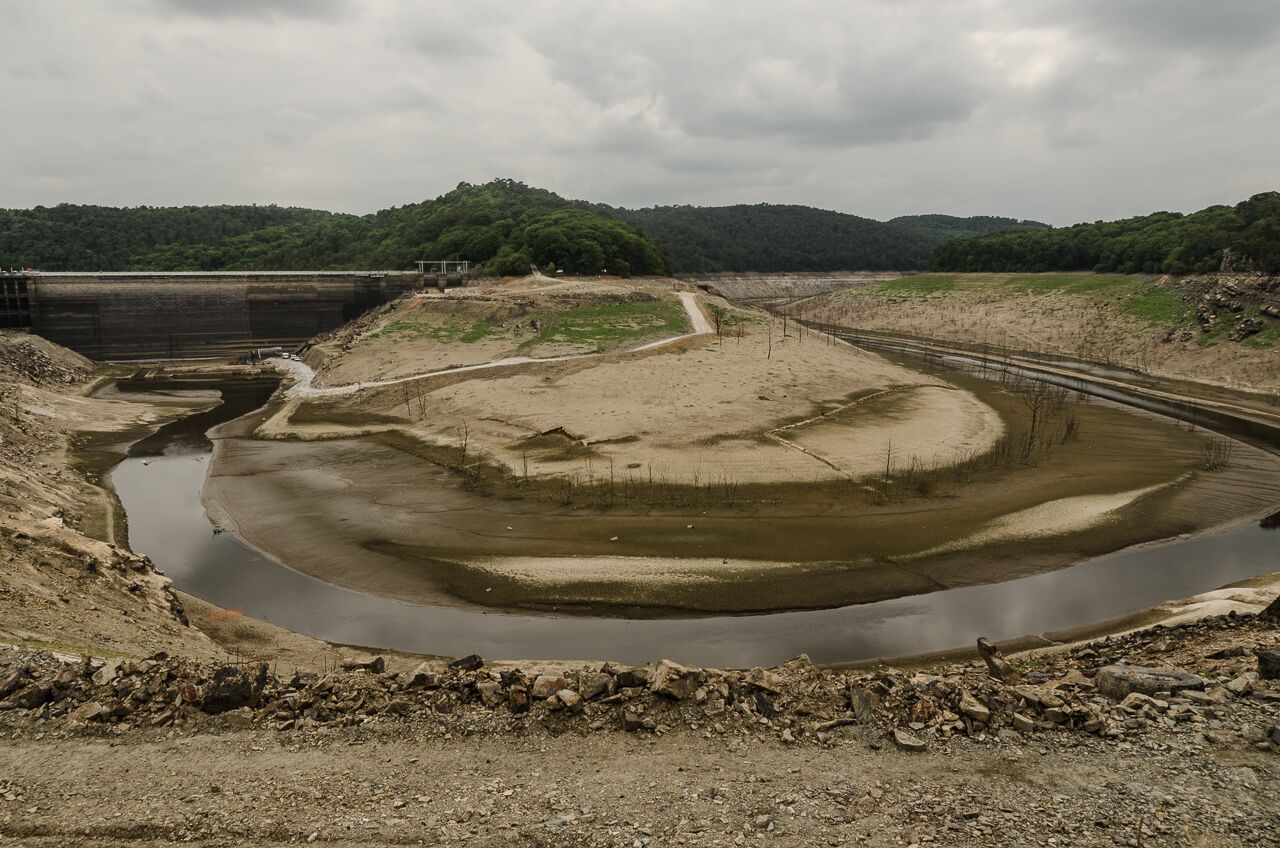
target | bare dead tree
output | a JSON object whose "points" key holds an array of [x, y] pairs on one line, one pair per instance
{"points": [[1041, 400]]}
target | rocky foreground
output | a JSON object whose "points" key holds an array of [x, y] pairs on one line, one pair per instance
{"points": [[1167, 736]]}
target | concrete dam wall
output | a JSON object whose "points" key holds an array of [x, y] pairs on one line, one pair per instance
{"points": [[124, 316]]}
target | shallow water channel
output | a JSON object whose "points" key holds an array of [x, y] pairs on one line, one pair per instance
{"points": [[159, 485]]}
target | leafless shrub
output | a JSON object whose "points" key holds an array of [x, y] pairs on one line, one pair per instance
{"points": [[1215, 454]]}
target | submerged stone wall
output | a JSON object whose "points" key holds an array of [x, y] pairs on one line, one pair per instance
{"points": [[122, 316]]}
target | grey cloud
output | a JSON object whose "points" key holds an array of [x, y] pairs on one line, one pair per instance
{"points": [[833, 86], [1051, 110], [1217, 28], [313, 9]]}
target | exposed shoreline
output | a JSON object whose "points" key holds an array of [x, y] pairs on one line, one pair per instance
{"points": [[339, 478]]}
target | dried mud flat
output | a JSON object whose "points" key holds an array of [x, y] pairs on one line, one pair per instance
{"points": [[378, 513]]}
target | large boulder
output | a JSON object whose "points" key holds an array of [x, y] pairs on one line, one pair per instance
{"points": [[546, 685], [233, 687], [907, 741], [628, 676], [1272, 612], [471, 662], [12, 682], [594, 684], [425, 676], [763, 678], [674, 680], [107, 672], [1268, 664], [1117, 681], [974, 709]]}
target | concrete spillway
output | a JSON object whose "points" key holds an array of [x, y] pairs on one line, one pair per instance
{"points": [[197, 314]]}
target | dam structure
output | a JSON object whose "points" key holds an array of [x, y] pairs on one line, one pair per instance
{"points": [[136, 315]]}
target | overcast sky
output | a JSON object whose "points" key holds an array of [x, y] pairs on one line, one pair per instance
{"points": [[1061, 110]]}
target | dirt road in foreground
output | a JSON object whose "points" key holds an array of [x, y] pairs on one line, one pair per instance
{"points": [[246, 787]]}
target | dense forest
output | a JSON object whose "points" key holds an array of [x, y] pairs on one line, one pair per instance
{"points": [[502, 227], [505, 226], [940, 228], [1245, 237], [103, 238], [767, 237]]}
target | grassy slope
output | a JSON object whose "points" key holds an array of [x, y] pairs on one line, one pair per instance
{"points": [[1140, 321]]}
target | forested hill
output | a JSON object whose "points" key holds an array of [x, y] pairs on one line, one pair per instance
{"points": [[103, 238], [501, 226], [946, 227], [1247, 236], [768, 237]]}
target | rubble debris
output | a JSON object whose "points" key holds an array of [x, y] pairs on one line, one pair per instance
{"points": [[1098, 690]]}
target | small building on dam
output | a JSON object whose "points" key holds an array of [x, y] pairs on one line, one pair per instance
{"points": [[187, 315]]}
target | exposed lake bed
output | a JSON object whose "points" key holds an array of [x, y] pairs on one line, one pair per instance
{"points": [[388, 594]]}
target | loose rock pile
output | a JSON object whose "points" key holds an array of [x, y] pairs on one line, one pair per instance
{"points": [[1109, 689], [24, 358], [1223, 298]]}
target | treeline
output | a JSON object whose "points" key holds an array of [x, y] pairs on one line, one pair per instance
{"points": [[768, 237], [1245, 237], [102, 238], [502, 227], [941, 228]]}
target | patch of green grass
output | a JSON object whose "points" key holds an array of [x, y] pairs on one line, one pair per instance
{"points": [[1212, 337], [1074, 283], [1158, 307], [70, 648], [1134, 294], [1270, 337], [447, 333], [918, 284], [609, 324]]}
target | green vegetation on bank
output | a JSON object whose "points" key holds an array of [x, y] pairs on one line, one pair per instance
{"points": [[608, 325], [1141, 296], [1244, 237], [465, 332]]}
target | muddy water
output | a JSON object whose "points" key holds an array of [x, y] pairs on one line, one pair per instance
{"points": [[160, 486]]}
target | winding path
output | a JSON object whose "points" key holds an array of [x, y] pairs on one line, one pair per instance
{"points": [[304, 374]]}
